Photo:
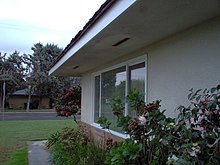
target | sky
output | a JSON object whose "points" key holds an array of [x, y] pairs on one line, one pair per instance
{"points": [[26, 22]]}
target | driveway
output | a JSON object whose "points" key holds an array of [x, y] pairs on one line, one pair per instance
{"points": [[31, 116]]}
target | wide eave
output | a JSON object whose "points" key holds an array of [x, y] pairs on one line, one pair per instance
{"points": [[122, 27]]}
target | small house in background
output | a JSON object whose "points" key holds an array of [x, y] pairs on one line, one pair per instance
{"points": [[162, 48], [18, 100]]}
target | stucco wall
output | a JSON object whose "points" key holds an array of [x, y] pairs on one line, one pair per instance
{"points": [[186, 60], [86, 114], [17, 102]]}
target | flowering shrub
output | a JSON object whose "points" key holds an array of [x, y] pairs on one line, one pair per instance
{"points": [[191, 138], [68, 103]]}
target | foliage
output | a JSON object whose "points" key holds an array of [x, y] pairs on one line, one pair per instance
{"points": [[59, 155], [32, 70], [202, 120], [126, 152], [191, 138], [14, 63], [53, 139], [38, 64], [72, 146], [68, 103], [104, 123], [13, 67]]}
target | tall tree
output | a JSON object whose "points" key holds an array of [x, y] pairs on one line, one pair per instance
{"points": [[38, 65], [12, 73]]}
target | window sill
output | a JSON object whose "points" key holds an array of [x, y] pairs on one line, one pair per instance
{"points": [[124, 136]]}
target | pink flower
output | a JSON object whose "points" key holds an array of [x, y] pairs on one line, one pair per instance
{"points": [[142, 120]]}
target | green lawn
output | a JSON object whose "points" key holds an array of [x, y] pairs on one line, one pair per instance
{"points": [[15, 134], [31, 110]]}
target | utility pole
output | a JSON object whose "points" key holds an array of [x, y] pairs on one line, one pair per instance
{"points": [[5, 75], [3, 102]]}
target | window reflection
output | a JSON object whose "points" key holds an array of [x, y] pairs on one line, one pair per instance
{"points": [[113, 85], [137, 77], [137, 82]]}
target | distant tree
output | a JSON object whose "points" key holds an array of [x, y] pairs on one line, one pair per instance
{"points": [[38, 65], [16, 64], [13, 65]]}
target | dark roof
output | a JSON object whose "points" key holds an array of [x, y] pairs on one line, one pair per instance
{"points": [[104, 7], [22, 92]]}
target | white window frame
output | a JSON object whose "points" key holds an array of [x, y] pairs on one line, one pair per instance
{"points": [[127, 63]]}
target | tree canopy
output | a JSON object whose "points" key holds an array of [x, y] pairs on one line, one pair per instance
{"points": [[13, 65], [31, 70], [38, 65]]}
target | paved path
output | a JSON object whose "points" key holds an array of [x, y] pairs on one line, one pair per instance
{"points": [[37, 154], [31, 116]]}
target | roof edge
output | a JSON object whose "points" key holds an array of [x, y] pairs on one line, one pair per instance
{"points": [[98, 14]]}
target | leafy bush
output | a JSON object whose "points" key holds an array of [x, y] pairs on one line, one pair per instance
{"points": [[125, 152], [72, 146], [191, 138], [59, 155], [68, 103]]}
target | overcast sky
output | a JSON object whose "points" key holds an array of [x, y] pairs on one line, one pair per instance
{"points": [[25, 22]]}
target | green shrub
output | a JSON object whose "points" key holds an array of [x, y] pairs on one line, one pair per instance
{"points": [[125, 152], [191, 138], [72, 146], [59, 155]]}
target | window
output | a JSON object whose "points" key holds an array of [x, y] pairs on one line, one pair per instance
{"points": [[137, 77], [137, 81], [97, 98], [117, 82]]}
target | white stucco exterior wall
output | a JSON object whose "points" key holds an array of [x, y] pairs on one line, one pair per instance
{"points": [[86, 112], [186, 60]]}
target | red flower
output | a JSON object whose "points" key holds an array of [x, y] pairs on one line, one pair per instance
{"points": [[68, 103], [59, 96], [67, 94], [69, 113]]}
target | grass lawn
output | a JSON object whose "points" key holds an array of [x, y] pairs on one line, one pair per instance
{"points": [[15, 134], [31, 110]]}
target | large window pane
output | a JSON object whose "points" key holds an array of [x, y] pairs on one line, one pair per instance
{"points": [[137, 75], [97, 98], [112, 85]]}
